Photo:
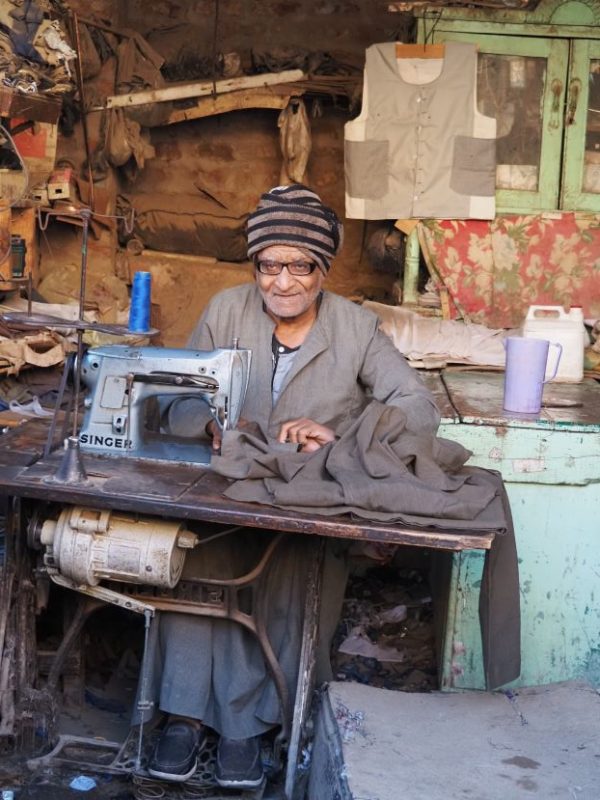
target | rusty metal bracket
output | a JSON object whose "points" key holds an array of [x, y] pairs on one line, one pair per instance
{"points": [[104, 595]]}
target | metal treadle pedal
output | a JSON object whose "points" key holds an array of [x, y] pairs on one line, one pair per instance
{"points": [[93, 755], [96, 755]]}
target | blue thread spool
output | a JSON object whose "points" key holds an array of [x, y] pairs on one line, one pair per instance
{"points": [[139, 312]]}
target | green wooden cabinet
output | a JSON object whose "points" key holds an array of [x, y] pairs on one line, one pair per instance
{"points": [[539, 76], [551, 470]]}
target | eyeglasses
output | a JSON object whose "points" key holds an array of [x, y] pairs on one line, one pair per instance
{"points": [[297, 268]]}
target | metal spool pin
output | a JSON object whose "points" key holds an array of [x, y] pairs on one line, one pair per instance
{"points": [[71, 469]]}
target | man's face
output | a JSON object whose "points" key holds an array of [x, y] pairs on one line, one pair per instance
{"points": [[285, 295]]}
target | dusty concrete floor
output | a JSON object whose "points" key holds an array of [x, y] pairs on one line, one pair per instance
{"points": [[538, 743]]}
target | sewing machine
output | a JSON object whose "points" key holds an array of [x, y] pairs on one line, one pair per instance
{"points": [[122, 380]]}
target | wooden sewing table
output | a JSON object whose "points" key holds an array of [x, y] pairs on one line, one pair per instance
{"points": [[179, 491]]}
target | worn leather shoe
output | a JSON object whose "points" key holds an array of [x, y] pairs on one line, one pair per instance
{"points": [[238, 763], [174, 757]]}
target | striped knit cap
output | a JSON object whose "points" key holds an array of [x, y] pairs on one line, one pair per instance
{"points": [[294, 215]]}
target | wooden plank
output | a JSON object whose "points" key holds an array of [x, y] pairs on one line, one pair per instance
{"points": [[11, 419], [24, 444], [419, 50], [199, 89], [477, 396], [234, 101], [510, 22], [184, 492], [181, 492], [40, 108]]}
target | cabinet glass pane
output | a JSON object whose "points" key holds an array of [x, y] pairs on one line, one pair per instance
{"points": [[591, 164], [510, 88]]}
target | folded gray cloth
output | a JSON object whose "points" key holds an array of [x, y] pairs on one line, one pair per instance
{"points": [[377, 470]]}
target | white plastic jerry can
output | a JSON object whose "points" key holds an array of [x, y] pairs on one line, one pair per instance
{"points": [[565, 327]]}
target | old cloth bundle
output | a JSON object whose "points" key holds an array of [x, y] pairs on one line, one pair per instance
{"points": [[380, 470]]}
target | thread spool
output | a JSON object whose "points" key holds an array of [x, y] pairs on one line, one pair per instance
{"points": [[139, 311]]}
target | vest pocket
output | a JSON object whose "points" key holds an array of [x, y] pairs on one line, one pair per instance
{"points": [[473, 166], [366, 169]]}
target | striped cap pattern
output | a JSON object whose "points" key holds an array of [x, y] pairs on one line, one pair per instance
{"points": [[294, 215]]}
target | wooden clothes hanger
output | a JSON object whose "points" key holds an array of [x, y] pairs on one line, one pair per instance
{"points": [[419, 50], [424, 50]]}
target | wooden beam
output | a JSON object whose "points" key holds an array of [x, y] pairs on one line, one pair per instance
{"points": [[234, 101], [186, 90]]}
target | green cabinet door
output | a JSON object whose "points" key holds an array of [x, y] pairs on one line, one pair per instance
{"points": [[521, 82], [581, 163]]}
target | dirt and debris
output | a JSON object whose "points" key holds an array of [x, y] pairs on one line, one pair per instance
{"points": [[350, 723], [385, 637]]}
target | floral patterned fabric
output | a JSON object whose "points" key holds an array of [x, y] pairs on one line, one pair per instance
{"points": [[493, 271]]}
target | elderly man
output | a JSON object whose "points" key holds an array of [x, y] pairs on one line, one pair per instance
{"points": [[317, 361]]}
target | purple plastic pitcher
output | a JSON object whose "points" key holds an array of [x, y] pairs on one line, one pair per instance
{"points": [[525, 369]]}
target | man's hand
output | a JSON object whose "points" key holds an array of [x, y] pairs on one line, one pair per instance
{"points": [[213, 430], [307, 433]]}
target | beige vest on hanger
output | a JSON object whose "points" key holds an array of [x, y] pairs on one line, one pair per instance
{"points": [[420, 148]]}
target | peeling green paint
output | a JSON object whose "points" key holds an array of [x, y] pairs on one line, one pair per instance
{"points": [[551, 469], [557, 534]]}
